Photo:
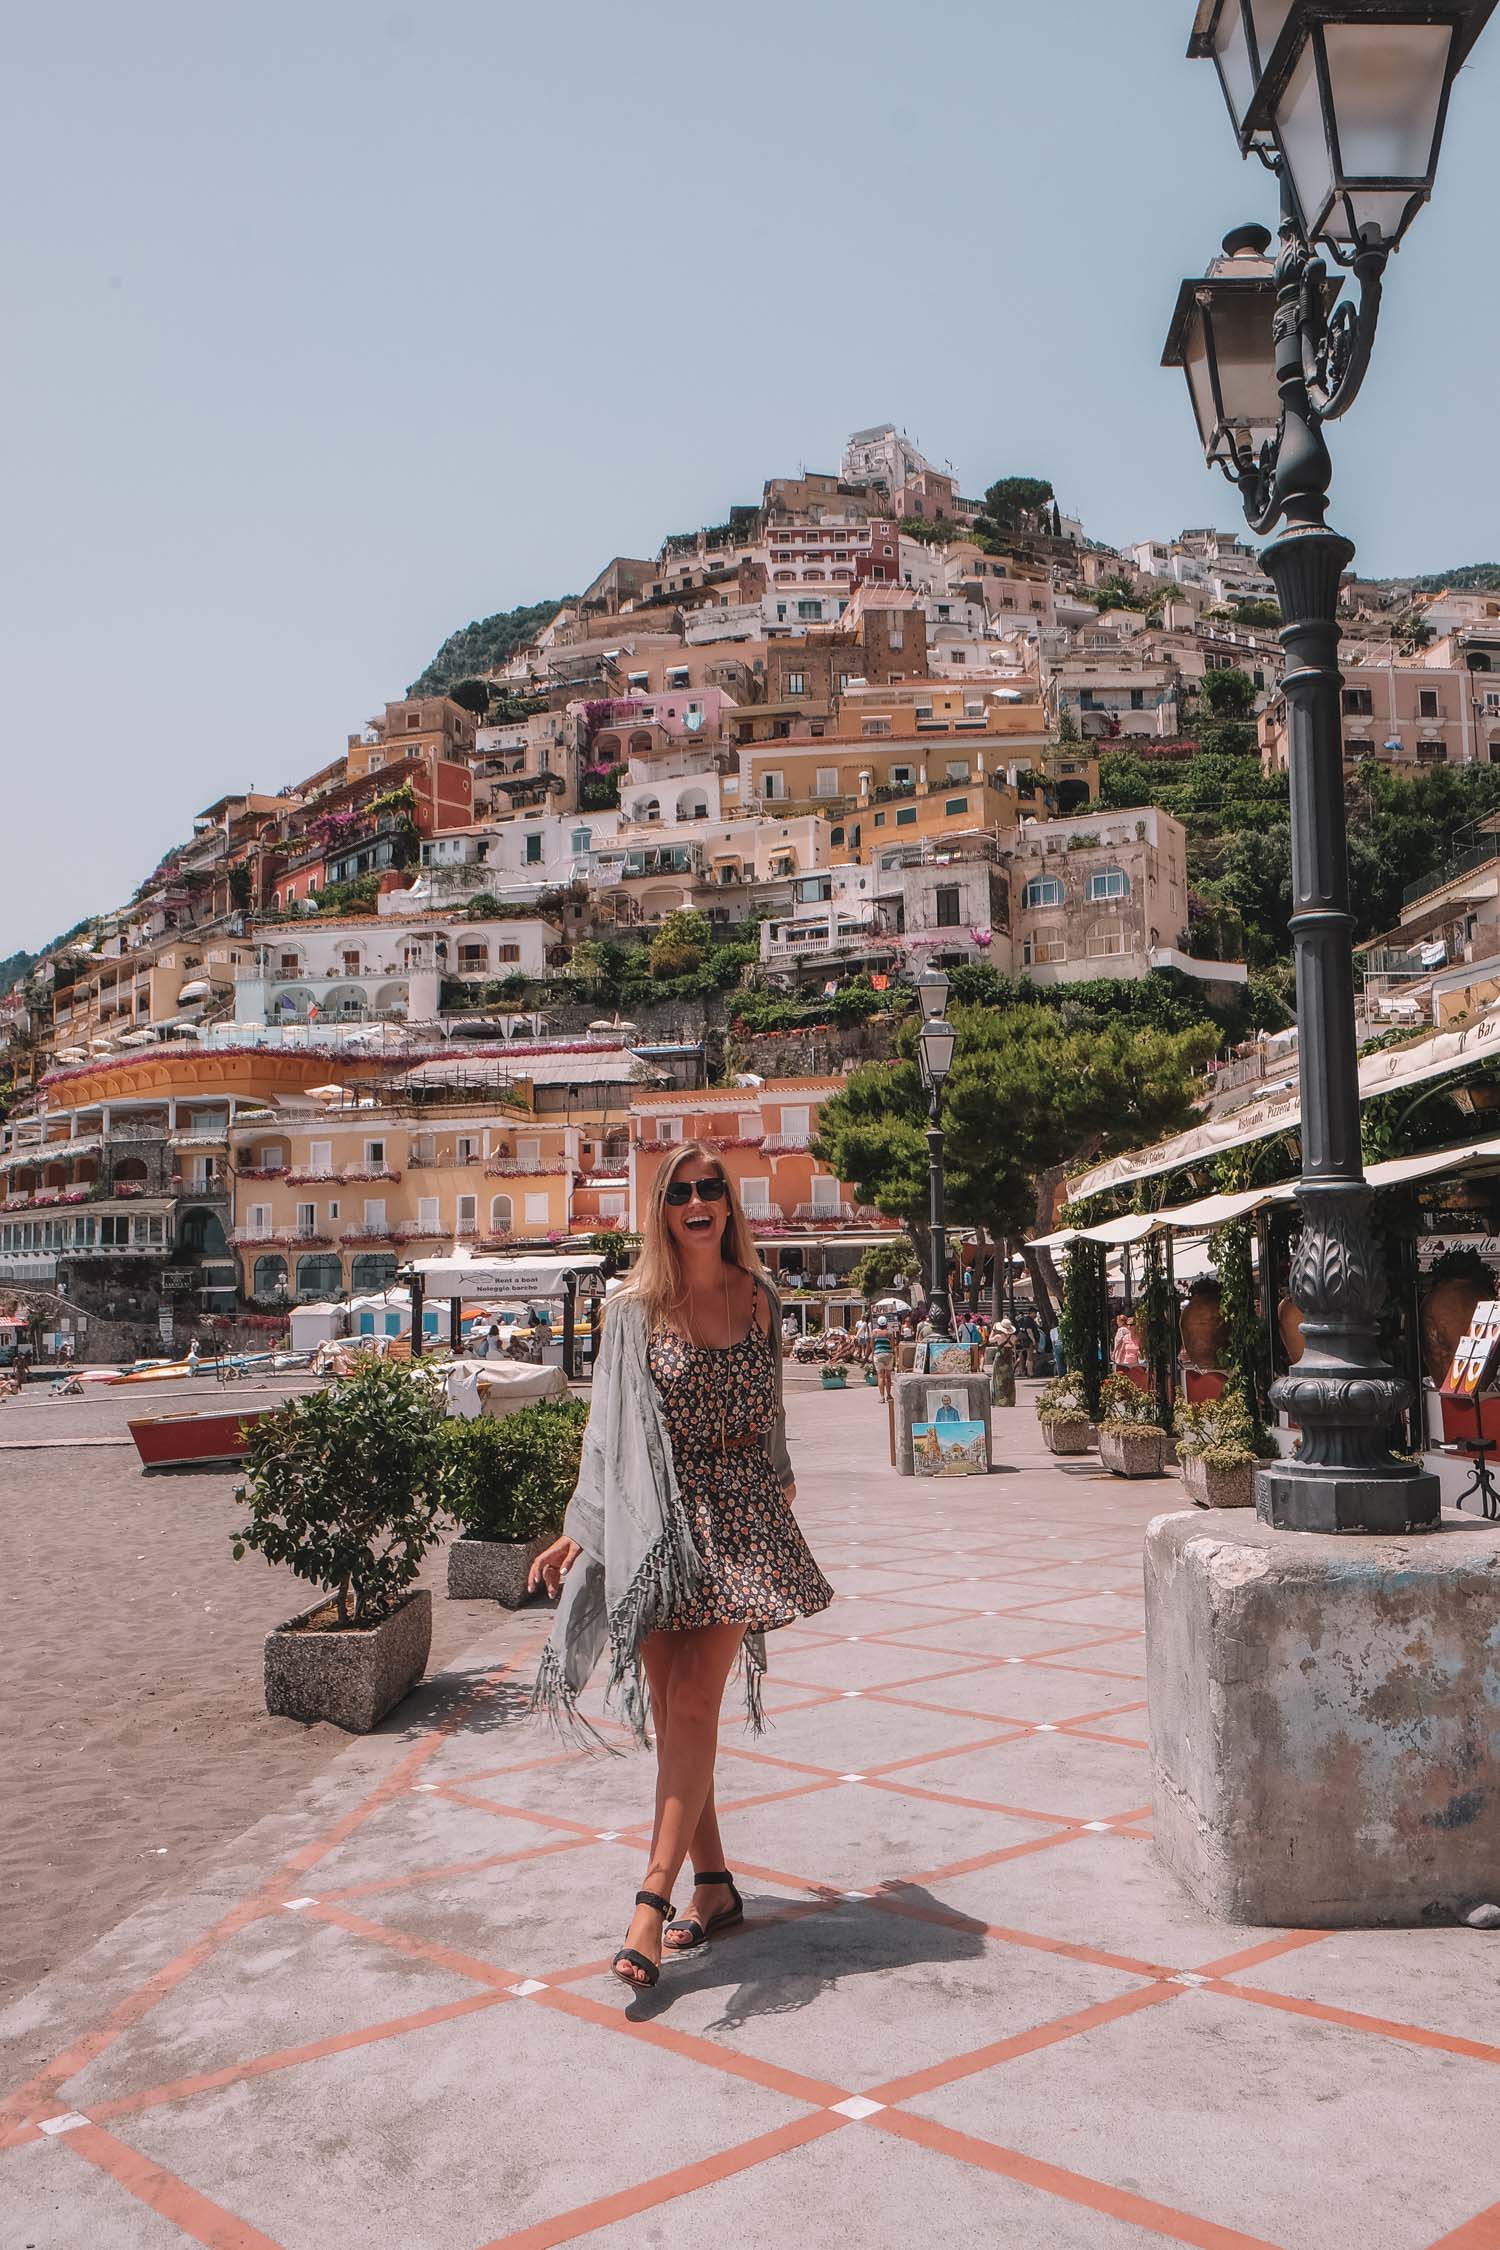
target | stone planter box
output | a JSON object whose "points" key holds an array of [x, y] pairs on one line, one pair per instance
{"points": [[1068, 1437], [1219, 1488], [491, 1570], [1127, 1456], [353, 1677]]}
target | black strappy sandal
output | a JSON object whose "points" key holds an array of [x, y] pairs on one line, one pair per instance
{"points": [[726, 1919], [651, 1970]]}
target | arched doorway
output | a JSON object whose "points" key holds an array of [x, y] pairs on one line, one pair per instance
{"points": [[269, 1278], [372, 1271], [200, 1234], [319, 1275]]}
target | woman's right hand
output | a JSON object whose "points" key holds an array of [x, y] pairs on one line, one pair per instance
{"points": [[552, 1565]]}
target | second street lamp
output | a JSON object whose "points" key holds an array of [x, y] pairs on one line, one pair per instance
{"points": [[935, 1044], [1345, 100]]}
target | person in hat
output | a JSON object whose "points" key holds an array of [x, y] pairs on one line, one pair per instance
{"points": [[883, 1355], [1001, 1353]]}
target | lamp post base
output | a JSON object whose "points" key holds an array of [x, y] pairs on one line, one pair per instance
{"points": [[1328, 1499], [1320, 1723]]}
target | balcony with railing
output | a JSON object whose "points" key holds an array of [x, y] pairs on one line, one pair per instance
{"points": [[1452, 871]]}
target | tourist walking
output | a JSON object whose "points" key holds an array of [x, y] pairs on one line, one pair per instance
{"points": [[883, 1356], [680, 1550], [1001, 1354], [1125, 1351]]}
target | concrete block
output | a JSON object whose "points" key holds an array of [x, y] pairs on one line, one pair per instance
{"points": [[916, 1397], [491, 1570], [1325, 1719], [353, 1677]]}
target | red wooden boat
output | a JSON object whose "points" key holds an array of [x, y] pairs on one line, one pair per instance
{"points": [[179, 1441]]}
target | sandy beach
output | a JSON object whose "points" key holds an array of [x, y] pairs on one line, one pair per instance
{"points": [[135, 1736]]}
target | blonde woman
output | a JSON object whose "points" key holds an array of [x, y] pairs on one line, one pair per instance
{"points": [[679, 1549]]}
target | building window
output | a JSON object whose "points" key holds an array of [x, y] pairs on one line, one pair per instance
{"points": [[1354, 749], [1102, 942], [375, 1152], [1042, 890], [1432, 753], [773, 785], [796, 682], [533, 851], [1044, 947], [1109, 882], [906, 816], [507, 952], [956, 805], [538, 1210], [500, 1214], [948, 898], [307, 1218], [1427, 703], [835, 836], [1359, 702], [810, 609], [826, 781]]}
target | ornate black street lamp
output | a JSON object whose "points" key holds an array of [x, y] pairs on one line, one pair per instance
{"points": [[935, 1044], [1346, 101]]}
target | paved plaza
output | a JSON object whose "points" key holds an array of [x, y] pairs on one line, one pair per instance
{"points": [[967, 2006]]}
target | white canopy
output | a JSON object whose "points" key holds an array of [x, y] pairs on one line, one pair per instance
{"points": [[1214, 1210], [1388, 1071], [457, 1276]]}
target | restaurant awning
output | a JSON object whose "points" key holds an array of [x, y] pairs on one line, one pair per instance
{"points": [[1388, 1071], [1210, 1211]]}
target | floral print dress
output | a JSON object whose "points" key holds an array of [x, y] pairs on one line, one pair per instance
{"points": [[757, 1569]]}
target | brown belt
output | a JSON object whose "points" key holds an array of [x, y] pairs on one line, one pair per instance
{"points": [[743, 1441]]}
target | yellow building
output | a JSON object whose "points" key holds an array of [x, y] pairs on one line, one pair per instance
{"points": [[329, 1197]]}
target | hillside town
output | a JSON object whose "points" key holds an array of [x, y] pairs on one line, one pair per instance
{"points": [[660, 869]]}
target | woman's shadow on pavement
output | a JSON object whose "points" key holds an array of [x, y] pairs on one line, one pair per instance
{"points": [[777, 1967]]}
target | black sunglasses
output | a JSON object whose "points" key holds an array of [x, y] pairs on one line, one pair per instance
{"points": [[707, 1191]]}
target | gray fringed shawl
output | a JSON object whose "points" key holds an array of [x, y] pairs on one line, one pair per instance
{"points": [[629, 1517]]}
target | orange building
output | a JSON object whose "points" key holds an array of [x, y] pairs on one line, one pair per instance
{"points": [[807, 1222]]}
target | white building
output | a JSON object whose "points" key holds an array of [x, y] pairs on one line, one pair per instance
{"points": [[379, 970]]}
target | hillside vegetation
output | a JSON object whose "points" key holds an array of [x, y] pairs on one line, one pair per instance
{"points": [[483, 643]]}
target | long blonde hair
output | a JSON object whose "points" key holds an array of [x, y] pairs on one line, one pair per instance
{"points": [[656, 1280]]}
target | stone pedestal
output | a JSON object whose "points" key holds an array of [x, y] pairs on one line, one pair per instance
{"points": [[918, 1398], [1324, 1717]]}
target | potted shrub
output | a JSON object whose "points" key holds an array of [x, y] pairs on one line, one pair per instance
{"points": [[346, 1487], [508, 1482], [1218, 1445], [1062, 1410], [1132, 1442]]}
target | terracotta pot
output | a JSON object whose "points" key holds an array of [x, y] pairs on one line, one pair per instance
{"points": [[1204, 1334], [1446, 1312], [1289, 1322]]}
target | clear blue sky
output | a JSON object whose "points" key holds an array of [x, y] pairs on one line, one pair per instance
{"points": [[336, 324]]}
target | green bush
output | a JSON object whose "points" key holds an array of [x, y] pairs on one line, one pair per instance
{"points": [[1063, 1400], [511, 1479], [1221, 1431], [1128, 1410], [347, 1487]]}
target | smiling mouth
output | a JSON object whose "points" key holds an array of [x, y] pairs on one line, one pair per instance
{"points": [[698, 1224]]}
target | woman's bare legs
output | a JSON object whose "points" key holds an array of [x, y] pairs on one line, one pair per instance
{"points": [[707, 1847], [687, 1689]]}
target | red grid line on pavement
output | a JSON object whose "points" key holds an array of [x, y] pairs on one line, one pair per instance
{"points": [[650, 2194], [291, 2058], [161, 2191], [1071, 2187], [34, 2099], [204, 2221], [1482, 2232]]}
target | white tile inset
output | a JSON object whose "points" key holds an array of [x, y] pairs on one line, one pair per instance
{"points": [[857, 2105]]}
